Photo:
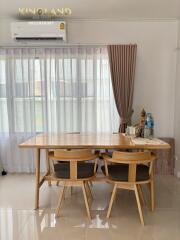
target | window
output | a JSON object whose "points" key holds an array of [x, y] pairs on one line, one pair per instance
{"points": [[56, 90]]}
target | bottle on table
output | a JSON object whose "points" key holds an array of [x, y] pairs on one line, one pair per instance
{"points": [[149, 126]]}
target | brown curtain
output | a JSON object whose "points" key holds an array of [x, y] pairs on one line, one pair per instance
{"points": [[122, 59]]}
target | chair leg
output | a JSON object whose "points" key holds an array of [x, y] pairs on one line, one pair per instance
{"points": [[89, 190], [139, 205], [71, 190], [86, 201], [151, 185], [91, 184], [60, 201], [141, 195], [57, 183], [88, 193], [112, 200], [65, 190]]}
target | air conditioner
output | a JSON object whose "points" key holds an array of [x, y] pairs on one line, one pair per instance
{"points": [[39, 30]]}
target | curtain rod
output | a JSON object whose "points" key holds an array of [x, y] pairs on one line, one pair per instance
{"points": [[55, 46]]}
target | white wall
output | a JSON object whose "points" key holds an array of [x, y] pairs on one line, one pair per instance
{"points": [[156, 60], [177, 108]]}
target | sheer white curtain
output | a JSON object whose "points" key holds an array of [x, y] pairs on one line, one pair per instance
{"points": [[52, 90]]}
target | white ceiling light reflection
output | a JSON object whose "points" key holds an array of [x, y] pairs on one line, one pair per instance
{"points": [[97, 222]]}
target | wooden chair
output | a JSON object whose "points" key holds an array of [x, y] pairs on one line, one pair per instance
{"points": [[129, 171], [74, 170], [48, 163]]}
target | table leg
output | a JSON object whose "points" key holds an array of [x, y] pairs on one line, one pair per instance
{"points": [[37, 178], [48, 165]]}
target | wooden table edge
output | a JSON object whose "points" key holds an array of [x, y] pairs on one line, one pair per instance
{"points": [[150, 147]]}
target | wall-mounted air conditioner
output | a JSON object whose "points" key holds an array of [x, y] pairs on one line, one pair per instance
{"points": [[39, 30]]}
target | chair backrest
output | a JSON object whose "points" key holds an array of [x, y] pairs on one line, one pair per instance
{"points": [[73, 157], [132, 159], [76, 154]]}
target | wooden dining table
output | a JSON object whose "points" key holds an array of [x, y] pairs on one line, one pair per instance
{"points": [[87, 141]]}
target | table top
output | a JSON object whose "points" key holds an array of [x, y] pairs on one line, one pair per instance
{"points": [[93, 141]]}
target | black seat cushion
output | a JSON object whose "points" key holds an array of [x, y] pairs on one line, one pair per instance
{"points": [[119, 172], [84, 170]]}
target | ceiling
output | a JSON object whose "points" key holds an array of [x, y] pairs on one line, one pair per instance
{"points": [[100, 9]]}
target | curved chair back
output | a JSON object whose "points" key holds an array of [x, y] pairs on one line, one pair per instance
{"points": [[132, 159], [73, 157], [77, 154]]}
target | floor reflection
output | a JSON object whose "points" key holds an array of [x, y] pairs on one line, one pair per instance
{"points": [[19, 222]]}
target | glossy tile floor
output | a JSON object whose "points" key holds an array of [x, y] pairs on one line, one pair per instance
{"points": [[18, 220]]}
